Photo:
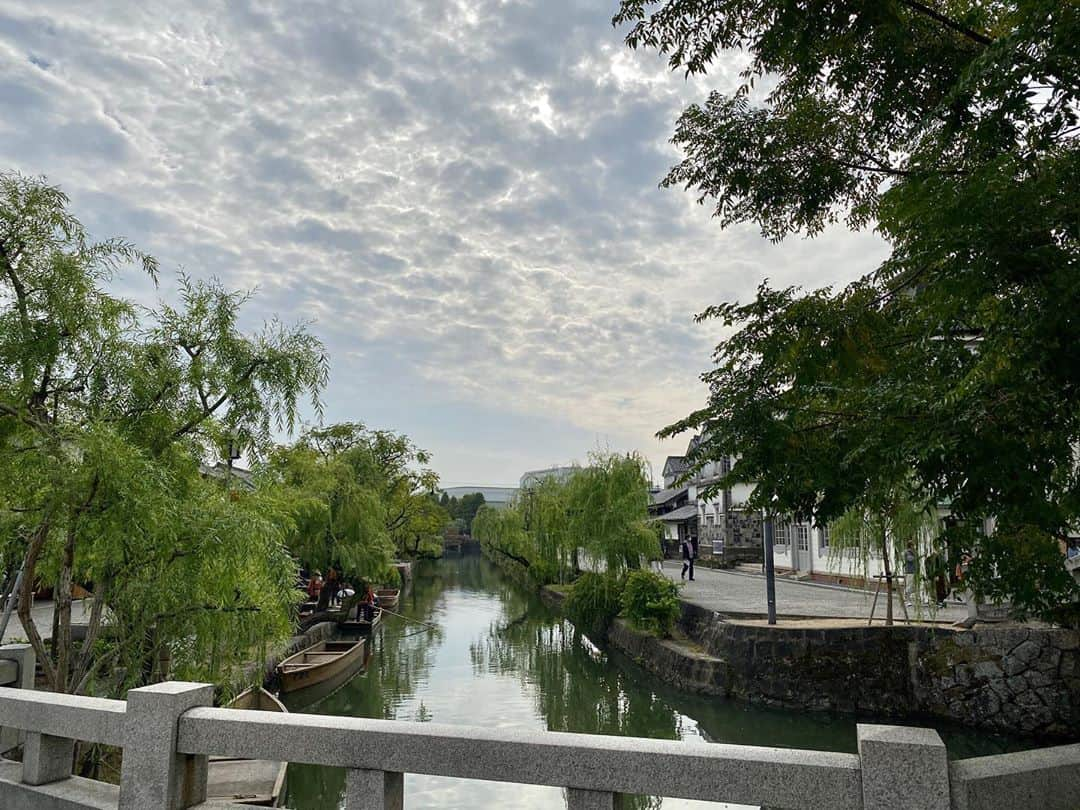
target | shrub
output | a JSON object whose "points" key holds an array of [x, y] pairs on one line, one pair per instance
{"points": [[594, 602], [651, 602]]}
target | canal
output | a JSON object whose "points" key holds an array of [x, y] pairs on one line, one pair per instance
{"points": [[481, 650]]}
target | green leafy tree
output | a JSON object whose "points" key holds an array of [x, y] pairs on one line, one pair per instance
{"points": [[106, 414], [950, 127], [883, 529], [469, 506], [359, 498], [601, 510]]}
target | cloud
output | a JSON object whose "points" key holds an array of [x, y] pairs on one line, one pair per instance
{"points": [[462, 195]]}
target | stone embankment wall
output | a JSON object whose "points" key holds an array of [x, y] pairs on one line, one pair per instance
{"points": [[1014, 679], [1019, 680]]}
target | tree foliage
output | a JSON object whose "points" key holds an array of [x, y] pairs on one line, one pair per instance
{"points": [[594, 601], [463, 509], [359, 497], [106, 413], [600, 510], [951, 127], [651, 602]]}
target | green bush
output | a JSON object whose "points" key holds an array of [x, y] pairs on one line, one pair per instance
{"points": [[651, 602], [594, 602]]}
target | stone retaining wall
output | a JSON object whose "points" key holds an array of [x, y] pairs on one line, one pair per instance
{"points": [[1015, 679], [1019, 680], [678, 664]]}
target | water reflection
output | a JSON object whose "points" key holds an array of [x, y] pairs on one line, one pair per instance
{"points": [[497, 657]]}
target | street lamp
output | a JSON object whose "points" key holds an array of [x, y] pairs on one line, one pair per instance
{"points": [[770, 571]]}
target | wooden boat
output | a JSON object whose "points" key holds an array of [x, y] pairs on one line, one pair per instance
{"points": [[320, 662], [388, 597], [361, 627], [254, 782]]}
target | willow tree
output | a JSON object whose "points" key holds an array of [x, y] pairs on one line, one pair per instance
{"points": [[951, 128], [359, 497], [107, 413], [884, 529], [502, 532], [600, 509]]}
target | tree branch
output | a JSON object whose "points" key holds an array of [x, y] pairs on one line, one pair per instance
{"points": [[193, 423], [948, 22]]}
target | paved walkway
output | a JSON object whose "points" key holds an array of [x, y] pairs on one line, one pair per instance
{"points": [[738, 592], [42, 611]]}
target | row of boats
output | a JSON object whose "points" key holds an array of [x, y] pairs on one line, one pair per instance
{"points": [[325, 665]]}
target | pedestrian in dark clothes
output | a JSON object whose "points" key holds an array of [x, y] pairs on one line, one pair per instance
{"points": [[688, 558]]}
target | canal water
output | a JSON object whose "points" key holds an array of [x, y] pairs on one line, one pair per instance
{"points": [[496, 657]]}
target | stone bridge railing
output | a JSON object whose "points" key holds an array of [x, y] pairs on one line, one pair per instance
{"points": [[167, 732]]}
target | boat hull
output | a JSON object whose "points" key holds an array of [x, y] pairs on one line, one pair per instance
{"points": [[388, 597], [325, 661], [258, 783]]}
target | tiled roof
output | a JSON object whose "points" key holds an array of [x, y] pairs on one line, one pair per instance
{"points": [[680, 514], [665, 495]]}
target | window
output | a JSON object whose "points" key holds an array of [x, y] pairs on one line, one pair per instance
{"points": [[802, 537], [782, 534], [824, 536], [710, 520]]}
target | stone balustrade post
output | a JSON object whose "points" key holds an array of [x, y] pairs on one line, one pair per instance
{"points": [[46, 758], [578, 799], [23, 659], [154, 776], [903, 768], [374, 790]]}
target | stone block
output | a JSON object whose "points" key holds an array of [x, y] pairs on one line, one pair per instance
{"points": [[903, 768], [1026, 651], [1067, 640], [25, 660], [154, 775], [1037, 679], [22, 657], [374, 790], [589, 800], [1017, 684], [1049, 659], [46, 758], [987, 669]]}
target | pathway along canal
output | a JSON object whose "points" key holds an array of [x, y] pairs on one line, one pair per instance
{"points": [[499, 658]]}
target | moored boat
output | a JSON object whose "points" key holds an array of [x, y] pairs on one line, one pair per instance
{"points": [[324, 661], [361, 627], [253, 782], [388, 597]]}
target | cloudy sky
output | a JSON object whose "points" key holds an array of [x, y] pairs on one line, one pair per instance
{"points": [[461, 195]]}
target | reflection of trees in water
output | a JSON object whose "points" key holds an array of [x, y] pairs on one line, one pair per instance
{"points": [[574, 686]]}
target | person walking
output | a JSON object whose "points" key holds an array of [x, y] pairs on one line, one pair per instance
{"points": [[688, 558], [910, 567]]}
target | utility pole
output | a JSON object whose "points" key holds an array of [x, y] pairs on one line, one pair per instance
{"points": [[770, 572]]}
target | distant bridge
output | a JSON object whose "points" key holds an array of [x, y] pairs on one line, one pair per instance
{"points": [[459, 543]]}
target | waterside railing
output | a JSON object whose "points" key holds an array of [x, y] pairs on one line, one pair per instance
{"points": [[168, 731]]}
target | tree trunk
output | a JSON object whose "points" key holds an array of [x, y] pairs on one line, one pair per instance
{"points": [[62, 610], [26, 594], [888, 579]]}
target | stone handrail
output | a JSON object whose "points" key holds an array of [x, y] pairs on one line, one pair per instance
{"points": [[735, 773], [169, 730]]}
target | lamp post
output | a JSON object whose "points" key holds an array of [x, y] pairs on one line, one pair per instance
{"points": [[233, 453], [770, 571]]}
